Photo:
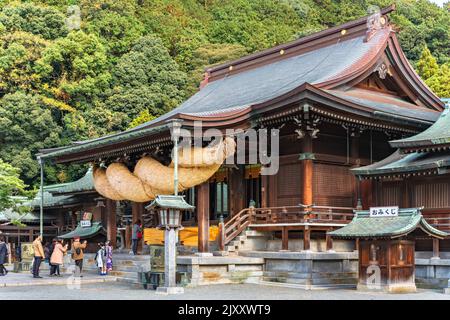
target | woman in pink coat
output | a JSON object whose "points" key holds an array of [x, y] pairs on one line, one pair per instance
{"points": [[57, 257]]}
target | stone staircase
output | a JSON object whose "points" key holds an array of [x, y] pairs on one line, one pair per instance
{"points": [[309, 281], [248, 240], [125, 266]]}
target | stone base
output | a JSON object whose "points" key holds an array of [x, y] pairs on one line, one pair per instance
{"points": [[203, 254], [392, 288], [169, 290]]}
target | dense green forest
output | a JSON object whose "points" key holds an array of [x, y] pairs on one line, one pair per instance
{"points": [[77, 69]]}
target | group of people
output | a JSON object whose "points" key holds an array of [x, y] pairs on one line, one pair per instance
{"points": [[54, 254]]}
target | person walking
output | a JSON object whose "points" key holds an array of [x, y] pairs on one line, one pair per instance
{"points": [[3, 256], [109, 253], [57, 257], [39, 255], [136, 235], [78, 254], [100, 258]]}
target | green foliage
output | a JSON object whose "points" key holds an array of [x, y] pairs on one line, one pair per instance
{"points": [[146, 78], [440, 82], [427, 65], [75, 68], [143, 117], [26, 125], [19, 52], [11, 186], [44, 21]]}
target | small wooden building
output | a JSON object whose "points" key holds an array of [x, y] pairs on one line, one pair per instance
{"points": [[386, 248], [417, 175]]}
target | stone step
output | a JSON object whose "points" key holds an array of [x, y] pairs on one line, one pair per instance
{"points": [[326, 282], [124, 274], [315, 275], [254, 233], [307, 287]]}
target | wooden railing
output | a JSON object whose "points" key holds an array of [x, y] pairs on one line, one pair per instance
{"points": [[438, 218], [286, 215]]}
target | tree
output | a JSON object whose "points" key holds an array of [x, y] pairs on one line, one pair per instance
{"points": [[143, 117], [19, 52], [44, 21], [11, 186], [440, 82], [146, 78], [26, 125], [427, 65], [115, 23], [75, 69]]}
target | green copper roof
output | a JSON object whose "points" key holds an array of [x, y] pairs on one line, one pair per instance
{"points": [[175, 202], [86, 183], [436, 135], [401, 164], [84, 232], [408, 220], [50, 200], [102, 141]]}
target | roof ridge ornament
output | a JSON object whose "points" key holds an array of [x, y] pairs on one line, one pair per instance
{"points": [[375, 21]]}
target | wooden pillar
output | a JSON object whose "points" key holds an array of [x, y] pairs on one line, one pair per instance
{"points": [[366, 193], [405, 194], [355, 162], [307, 170], [111, 225], [435, 248], [73, 216], [203, 217], [329, 242], [137, 210], [236, 180], [307, 239], [30, 235], [264, 191], [284, 238]]}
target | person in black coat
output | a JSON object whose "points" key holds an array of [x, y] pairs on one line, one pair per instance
{"points": [[3, 256]]}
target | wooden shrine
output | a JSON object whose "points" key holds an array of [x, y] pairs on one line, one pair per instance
{"points": [[386, 246]]}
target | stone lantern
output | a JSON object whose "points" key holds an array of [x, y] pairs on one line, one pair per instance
{"points": [[170, 208]]}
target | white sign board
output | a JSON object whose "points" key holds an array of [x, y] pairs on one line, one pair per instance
{"points": [[383, 212], [85, 223]]}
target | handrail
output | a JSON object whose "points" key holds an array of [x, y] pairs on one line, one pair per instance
{"points": [[282, 214]]}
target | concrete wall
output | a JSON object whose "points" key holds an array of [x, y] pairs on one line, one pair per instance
{"points": [[317, 245]]}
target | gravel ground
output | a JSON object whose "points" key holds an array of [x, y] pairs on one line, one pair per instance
{"points": [[119, 291]]}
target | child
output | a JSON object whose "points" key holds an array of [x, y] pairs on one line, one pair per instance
{"points": [[100, 257], [109, 263]]}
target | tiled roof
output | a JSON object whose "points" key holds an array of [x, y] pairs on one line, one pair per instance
{"points": [[387, 104], [86, 183], [170, 201], [398, 163], [364, 226], [50, 200], [84, 232], [436, 135]]}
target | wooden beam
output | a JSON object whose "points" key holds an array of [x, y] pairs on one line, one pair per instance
{"points": [[203, 216], [111, 225], [284, 238]]}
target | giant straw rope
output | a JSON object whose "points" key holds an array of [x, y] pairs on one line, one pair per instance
{"points": [[151, 178]]}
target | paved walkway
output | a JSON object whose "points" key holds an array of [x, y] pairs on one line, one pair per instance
{"points": [[13, 279], [248, 292]]}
